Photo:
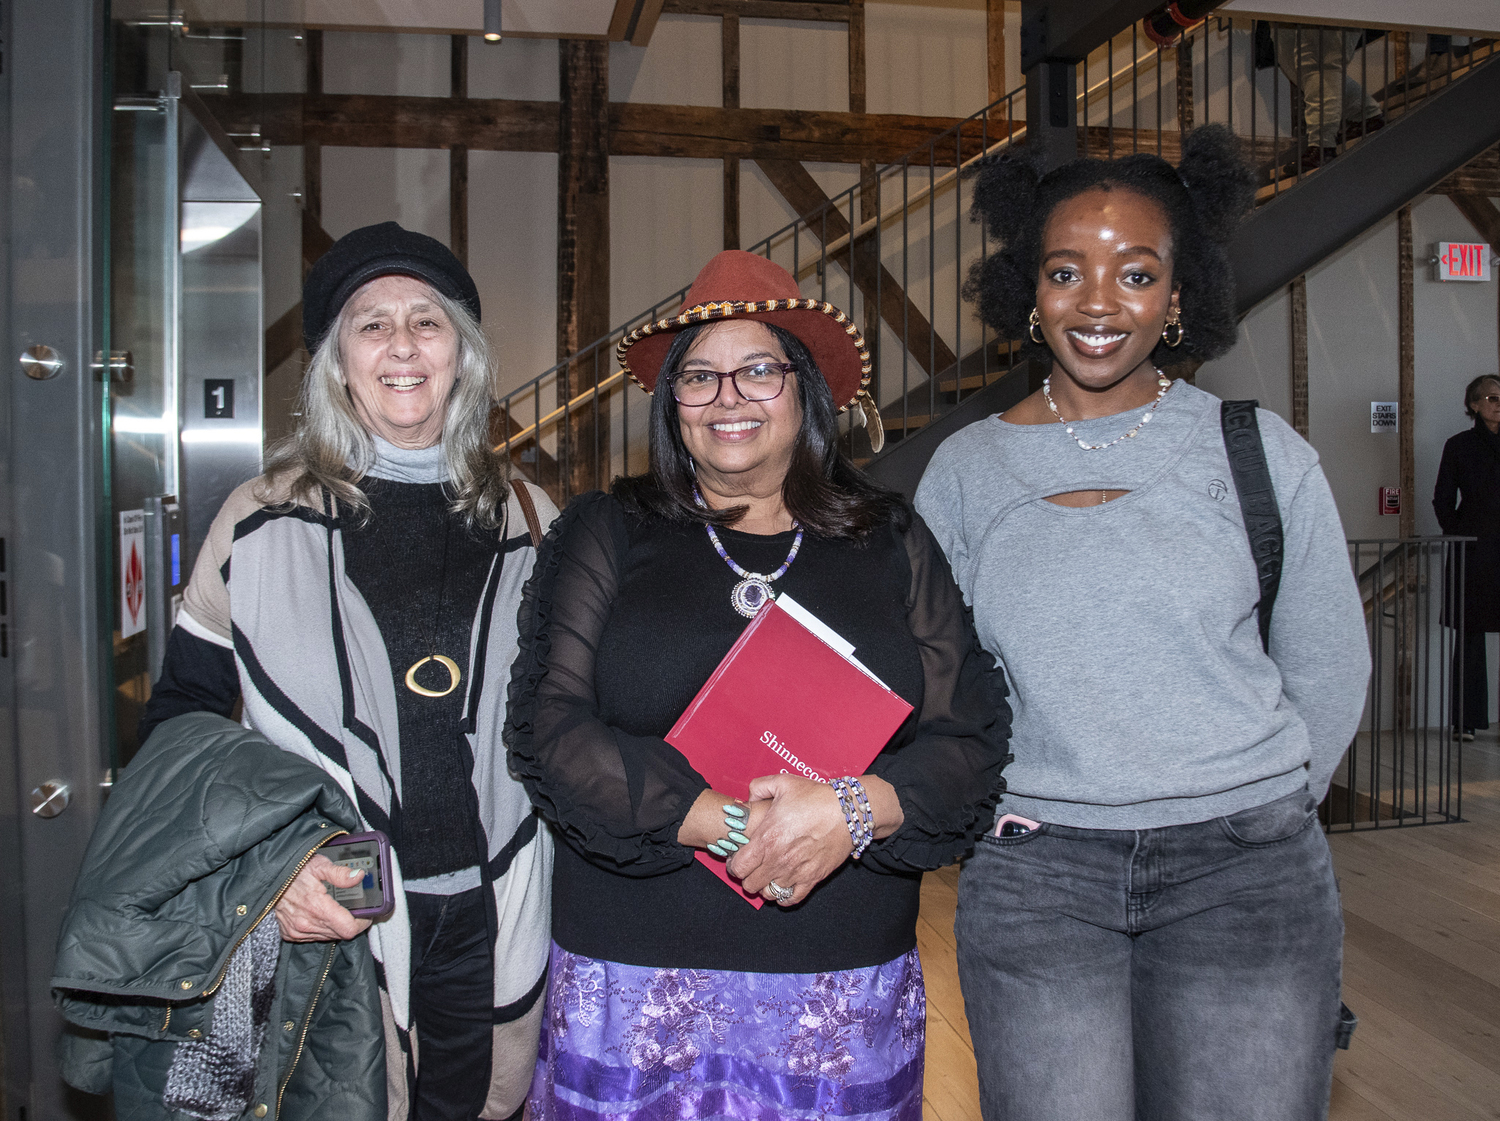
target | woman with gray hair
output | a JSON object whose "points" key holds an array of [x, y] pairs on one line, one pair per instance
{"points": [[360, 599]]}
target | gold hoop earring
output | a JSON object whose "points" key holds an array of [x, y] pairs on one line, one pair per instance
{"points": [[1033, 323], [1176, 340]]}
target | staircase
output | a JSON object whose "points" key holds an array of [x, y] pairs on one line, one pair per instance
{"points": [[895, 249]]}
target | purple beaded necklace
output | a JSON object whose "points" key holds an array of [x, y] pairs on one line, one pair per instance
{"points": [[754, 588]]}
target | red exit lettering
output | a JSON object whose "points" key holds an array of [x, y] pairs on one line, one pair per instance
{"points": [[1463, 260]]}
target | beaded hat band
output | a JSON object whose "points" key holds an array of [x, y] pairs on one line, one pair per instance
{"points": [[740, 285]]}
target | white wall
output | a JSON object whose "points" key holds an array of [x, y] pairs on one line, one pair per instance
{"points": [[381, 63], [513, 257], [521, 69], [666, 218], [1260, 365], [682, 66], [1353, 323], [933, 59]]}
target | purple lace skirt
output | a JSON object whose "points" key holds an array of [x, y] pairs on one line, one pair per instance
{"points": [[635, 1043]]}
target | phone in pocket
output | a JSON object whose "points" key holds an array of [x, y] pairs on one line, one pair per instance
{"points": [[372, 896], [1014, 825]]}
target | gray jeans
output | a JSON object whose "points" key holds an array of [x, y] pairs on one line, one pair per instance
{"points": [[1188, 973], [1316, 59]]}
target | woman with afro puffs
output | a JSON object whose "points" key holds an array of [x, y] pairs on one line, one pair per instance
{"points": [[1152, 929]]}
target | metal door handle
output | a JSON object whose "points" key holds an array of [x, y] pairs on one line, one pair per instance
{"points": [[41, 362], [51, 798]]}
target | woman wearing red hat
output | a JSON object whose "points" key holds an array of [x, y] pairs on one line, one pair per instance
{"points": [[668, 995]]}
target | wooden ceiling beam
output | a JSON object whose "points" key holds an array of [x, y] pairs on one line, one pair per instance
{"points": [[822, 12], [695, 132], [1482, 214], [712, 133], [1480, 176]]}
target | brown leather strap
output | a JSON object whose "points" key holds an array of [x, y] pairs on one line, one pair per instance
{"points": [[529, 509]]}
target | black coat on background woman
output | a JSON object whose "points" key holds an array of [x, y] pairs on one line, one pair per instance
{"points": [[1467, 501]]}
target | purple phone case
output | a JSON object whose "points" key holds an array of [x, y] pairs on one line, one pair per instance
{"points": [[383, 846]]}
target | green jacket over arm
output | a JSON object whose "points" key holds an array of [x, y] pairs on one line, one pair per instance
{"points": [[200, 836]]}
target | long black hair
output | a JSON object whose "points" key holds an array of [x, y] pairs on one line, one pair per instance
{"points": [[823, 491], [1203, 197]]}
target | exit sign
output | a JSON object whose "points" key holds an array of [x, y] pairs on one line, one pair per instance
{"points": [[1463, 260]]}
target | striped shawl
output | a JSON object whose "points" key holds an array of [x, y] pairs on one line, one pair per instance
{"points": [[270, 584]]}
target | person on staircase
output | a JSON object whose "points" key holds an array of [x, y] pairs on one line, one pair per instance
{"points": [[1151, 929], [360, 599], [1466, 500], [1335, 106]]}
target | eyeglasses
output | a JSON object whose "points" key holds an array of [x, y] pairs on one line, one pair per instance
{"points": [[763, 381], [1488, 399]]}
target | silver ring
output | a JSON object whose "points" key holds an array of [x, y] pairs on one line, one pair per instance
{"points": [[782, 894]]}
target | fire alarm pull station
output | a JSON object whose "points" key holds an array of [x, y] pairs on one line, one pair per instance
{"points": [[1390, 500]]}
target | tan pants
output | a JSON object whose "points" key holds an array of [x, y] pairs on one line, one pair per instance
{"points": [[1314, 58]]}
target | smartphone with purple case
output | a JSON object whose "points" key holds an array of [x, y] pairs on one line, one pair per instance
{"points": [[371, 897]]}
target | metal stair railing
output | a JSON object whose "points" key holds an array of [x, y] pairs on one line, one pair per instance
{"points": [[1404, 766], [894, 249]]}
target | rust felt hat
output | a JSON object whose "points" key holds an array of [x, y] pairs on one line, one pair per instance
{"points": [[740, 285]]}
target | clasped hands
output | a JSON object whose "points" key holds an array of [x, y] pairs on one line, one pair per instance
{"points": [[797, 832]]}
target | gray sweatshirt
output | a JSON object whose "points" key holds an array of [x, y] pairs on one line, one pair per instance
{"points": [[1128, 631]]}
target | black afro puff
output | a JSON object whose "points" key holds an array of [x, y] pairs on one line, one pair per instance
{"points": [[1204, 198]]}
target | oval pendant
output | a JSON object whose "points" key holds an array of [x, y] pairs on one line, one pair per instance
{"points": [[443, 660], [750, 595]]}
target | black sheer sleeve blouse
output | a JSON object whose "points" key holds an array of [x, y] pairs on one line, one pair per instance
{"points": [[623, 621]]}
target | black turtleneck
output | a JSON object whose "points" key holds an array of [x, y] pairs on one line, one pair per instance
{"points": [[396, 562]]}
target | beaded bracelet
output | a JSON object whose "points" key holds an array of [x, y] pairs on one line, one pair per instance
{"points": [[735, 819], [866, 813], [857, 813]]}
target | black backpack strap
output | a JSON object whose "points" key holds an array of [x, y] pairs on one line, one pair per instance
{"points": [[1252, 482]]}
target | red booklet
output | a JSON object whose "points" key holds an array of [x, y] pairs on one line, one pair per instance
{"points": [[785, 700]]}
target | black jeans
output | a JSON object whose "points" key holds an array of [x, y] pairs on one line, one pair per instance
{"points": [[1188, 973], [1475, 683], [452, 994]]}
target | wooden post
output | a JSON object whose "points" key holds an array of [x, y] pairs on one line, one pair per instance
{"points": [[994, 27], [1299, 356], [730, 54], [312, 150], [582, 255], [1406, 433], [856, 56], [1406, 410], [458, 160]]}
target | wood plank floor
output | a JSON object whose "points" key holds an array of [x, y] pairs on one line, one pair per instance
{"points": [[1421, 969]]}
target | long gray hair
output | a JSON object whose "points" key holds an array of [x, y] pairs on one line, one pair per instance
{"points": [[331, 450]]}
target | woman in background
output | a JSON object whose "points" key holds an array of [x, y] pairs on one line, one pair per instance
{"points": [[1467, 502]]}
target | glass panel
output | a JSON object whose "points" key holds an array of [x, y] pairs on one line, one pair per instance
{"points": [[142, 281]]}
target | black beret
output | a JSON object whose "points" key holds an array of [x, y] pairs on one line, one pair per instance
{"points": [[373, 251]]}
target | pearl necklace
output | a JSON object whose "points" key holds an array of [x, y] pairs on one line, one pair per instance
{"points": [[754, 588], [1163, 385]]}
